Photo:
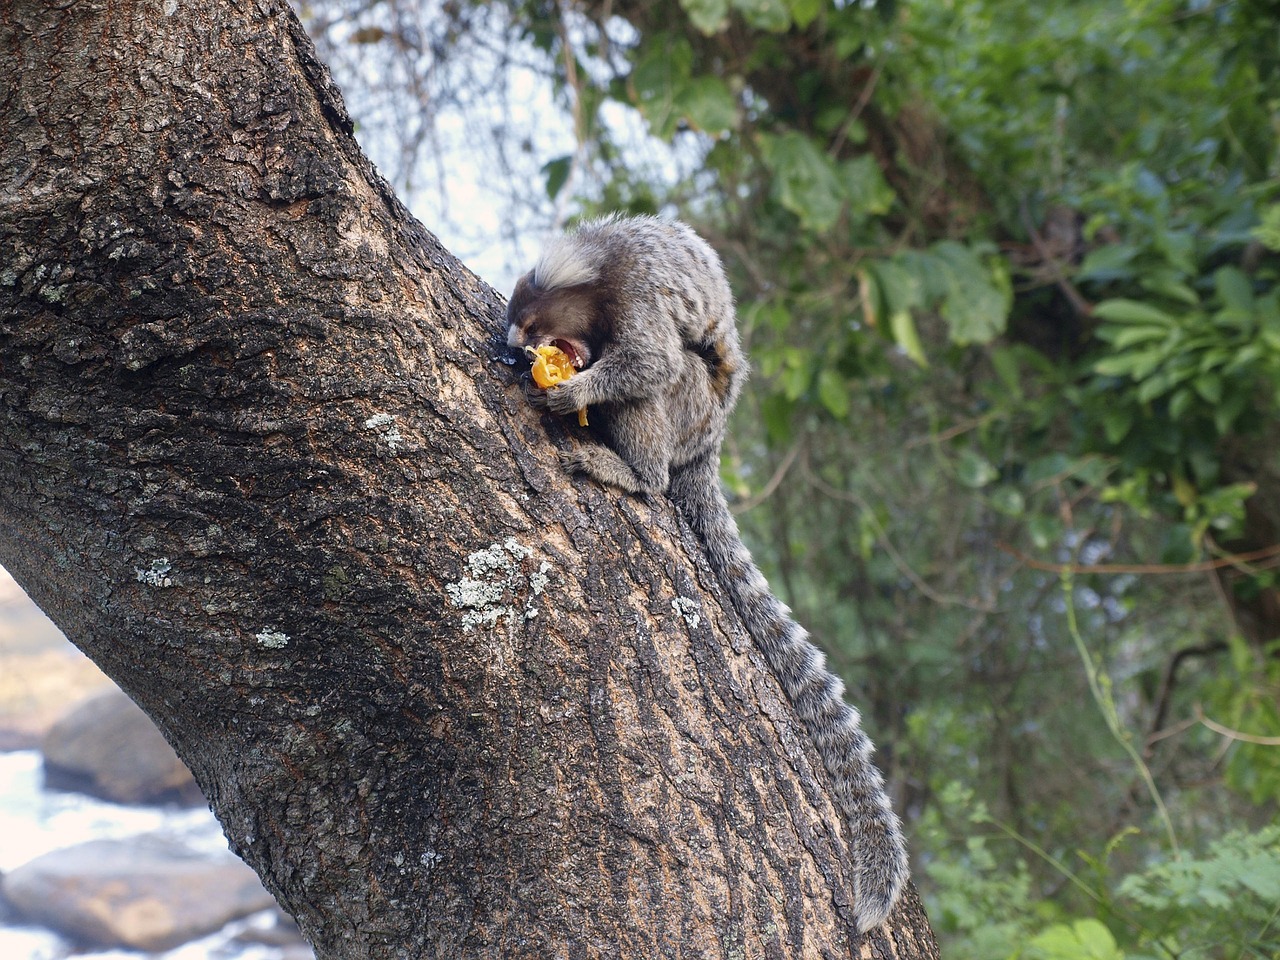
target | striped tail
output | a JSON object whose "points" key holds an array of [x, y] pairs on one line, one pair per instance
{"points": [[816, 694]]}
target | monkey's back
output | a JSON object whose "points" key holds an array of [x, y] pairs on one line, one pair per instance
{"points": [[671, 288], [663, 273]]}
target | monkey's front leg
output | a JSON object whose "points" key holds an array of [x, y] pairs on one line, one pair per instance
{"points": [[635, 372]]}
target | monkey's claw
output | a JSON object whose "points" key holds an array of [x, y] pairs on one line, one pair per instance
{"points": [[574, 461], [534, 394]]}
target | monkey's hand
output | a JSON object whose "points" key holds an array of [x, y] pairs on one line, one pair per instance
{"points": [[567, 397], [535, 394]]}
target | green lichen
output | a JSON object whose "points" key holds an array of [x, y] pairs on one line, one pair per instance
{"points": [[272, 639], [334, 583], [156, 575], [495, 582], [687, 610]]}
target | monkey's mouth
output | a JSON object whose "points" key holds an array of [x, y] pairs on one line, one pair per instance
{"points": [[579, 353]]}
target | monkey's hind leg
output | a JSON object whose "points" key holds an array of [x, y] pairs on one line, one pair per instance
{"points": [[636, 459], [602, 464]]}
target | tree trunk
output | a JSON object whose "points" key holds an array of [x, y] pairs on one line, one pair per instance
{"points": [[261, 460]]}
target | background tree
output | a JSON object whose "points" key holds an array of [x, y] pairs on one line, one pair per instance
{"points": [[260, 460], [1009, 281]]}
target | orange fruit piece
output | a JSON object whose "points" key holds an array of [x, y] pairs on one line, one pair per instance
{"points": [[551, 367]]}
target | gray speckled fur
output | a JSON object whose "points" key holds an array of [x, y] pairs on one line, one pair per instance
{"points": [[646, 304]]}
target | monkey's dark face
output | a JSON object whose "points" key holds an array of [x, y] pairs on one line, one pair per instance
{"points": [[563, 318]]}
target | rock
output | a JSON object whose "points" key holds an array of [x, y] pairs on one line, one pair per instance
{"points": [[35, 689], [146, 893], [108, 747], [40, 671], [23, 626]]}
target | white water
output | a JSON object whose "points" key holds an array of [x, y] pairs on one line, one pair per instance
{"points": [[34, 821]]}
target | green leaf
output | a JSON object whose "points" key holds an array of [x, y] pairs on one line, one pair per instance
{"points": [[1131, 311], [1179, 247], [707, 104], [1009, 501], [1224, 415], [778, 414], [1268, 310], [864, 184], [1045, 532], [902, 288], [556, 174], [768, 15], [1110, 262], [1048, 467], [901, 291], [804, 180], [707, 16], [1160, 383], [1117, 421], [1209, 386], [658, 74], [804, 12], [1235, 291], [1245, 357], [795, 375], [1137, 364], [833, 391], [1081, 940], [1167, 285], [976, 306], [1005, 363], [903, 328], [1122, 337], [1214, 358], [1268, 231], [1179, 403], [974, 470]]}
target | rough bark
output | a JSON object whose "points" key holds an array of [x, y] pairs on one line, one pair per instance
{"points": [[261, 460]]}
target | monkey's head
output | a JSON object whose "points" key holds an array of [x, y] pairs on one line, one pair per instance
{"points": [[564, 317]]}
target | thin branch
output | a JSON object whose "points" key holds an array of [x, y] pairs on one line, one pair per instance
{"points": [[864, 98], [1078, 303], [774, 482], [1235, 734], [574, 83], [1167, 684], [1100, 687], [882, 537], [1270, 554], [1181, 726], [949, 434]]}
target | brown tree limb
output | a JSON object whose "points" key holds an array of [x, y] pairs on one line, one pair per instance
{"points": [[1168, 682]]}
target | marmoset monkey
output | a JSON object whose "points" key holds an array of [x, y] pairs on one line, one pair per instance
{"points": [[643, 311]]}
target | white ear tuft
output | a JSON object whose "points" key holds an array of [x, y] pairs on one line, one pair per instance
{"points": [[564, 264]]}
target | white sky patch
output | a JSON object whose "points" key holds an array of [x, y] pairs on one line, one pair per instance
{"points": [[463, 123]]}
